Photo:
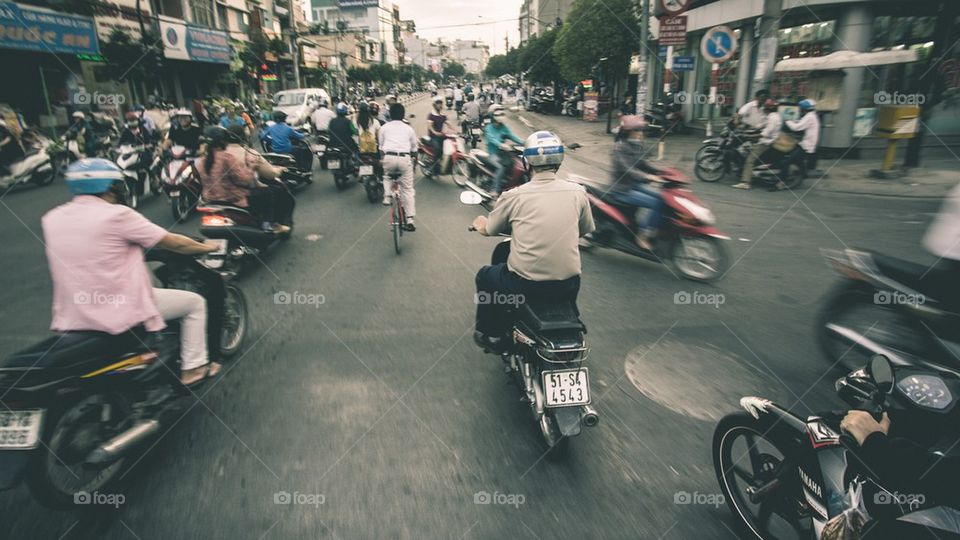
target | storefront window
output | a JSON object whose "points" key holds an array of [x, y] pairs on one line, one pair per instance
{"points": [[808, 40]]}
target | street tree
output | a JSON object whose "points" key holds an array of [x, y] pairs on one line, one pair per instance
{"points": [[455, 69], [537, 59], [499, 65], [384, 73], [359, 74], [598, 29]]}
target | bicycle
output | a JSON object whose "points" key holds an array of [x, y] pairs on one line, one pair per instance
{"points": [[398, 218]]}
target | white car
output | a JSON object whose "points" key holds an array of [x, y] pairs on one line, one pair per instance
{"points": [[299, 103]]}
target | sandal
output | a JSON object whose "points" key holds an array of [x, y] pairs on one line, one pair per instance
{"points": [[742, 185], [193, 377]]}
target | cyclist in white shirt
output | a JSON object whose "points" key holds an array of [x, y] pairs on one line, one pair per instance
{"points": [[398, 144], [457, 98]]}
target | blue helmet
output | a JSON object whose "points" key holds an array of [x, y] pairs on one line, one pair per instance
{"points": [[92, 176], [808, 105], [342, 109]]}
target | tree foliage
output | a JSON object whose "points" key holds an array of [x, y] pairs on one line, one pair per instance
{"points": [[598, 29], [383, 73], [359, 74], [125, 55], [499, 65], [454, 69], [538, 59]]}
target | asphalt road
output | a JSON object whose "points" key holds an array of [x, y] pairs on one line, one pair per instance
{"points": [[379, 417]]}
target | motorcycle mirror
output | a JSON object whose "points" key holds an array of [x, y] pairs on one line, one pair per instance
{"points": [[881, 372], [471, 198]]}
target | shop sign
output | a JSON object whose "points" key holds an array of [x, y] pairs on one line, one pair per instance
{"points": [[673, 30], [183, 42], [37, 29], [591, 102], [682, 63]]}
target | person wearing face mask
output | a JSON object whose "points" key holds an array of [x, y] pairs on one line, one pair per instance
{"points": [[632, 177]]}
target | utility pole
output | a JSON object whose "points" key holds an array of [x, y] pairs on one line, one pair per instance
{"points": [[641, 101], [767, 48], [294, 48]]}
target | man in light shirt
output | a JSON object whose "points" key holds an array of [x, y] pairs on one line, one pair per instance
{"points": [[809, 124], [398, 143], [458, 98], [322, 116], [773, 124], [752, 113]]}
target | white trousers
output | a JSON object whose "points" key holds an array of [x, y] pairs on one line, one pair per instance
{"points": [[191, 309], [403, 165]]}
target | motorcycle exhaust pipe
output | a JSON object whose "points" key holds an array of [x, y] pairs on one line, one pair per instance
{"points": [[589, 416], [117, 446]]}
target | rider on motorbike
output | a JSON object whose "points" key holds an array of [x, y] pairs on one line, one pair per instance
{"points": [[343, 132], [501, 154], [183, 132], [94, 246], [546, 218], [771, 127], [436, 121], [133, 133], [632, 176], [82, 132], [322, 116], [10, 149], [281, 137], [471, 111], [809, 124]]}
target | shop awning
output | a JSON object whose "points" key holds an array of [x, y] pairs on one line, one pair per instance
{"points": [[847, 59]]}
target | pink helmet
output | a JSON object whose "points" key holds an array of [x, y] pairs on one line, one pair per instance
{"points": [[632, 122]]}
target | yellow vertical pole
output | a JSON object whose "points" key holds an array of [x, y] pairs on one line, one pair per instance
{"points": [[891, 153]]}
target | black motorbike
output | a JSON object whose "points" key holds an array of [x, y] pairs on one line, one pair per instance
{"points": [[319, 147], [77, 405], [472, 133], [787, 476], [728, 154], [887, 303], [545, 359], [343, 164], [665, 116], [294, 177], [371, 177]]}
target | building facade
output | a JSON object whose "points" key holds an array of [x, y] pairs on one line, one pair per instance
{"points": [[379, 19], [538, 16], [473, 55]]}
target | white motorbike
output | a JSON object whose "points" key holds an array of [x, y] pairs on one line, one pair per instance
{"points": [[35, 167], [136, 163], [180, 182]]}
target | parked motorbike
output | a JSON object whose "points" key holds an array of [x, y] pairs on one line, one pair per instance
{"points": [[686, 238], [728, 154], [571, 106], [886, 302], [36, 166], [665, 116], [180, 182], [371, 177], [787, 476], [545, 359], [78, 405], [136, 163]]}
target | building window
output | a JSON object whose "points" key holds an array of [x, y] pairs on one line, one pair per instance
{"points": [[222, 16], [201, 12], [243, 21]]}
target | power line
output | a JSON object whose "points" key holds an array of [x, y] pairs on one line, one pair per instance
{"points": [[465, 24]]}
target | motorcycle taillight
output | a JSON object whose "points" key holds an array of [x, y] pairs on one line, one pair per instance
{"points": [[215, 220]]}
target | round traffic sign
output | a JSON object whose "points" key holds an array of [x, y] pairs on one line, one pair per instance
{"points": [[674, 7], [718, 44]]}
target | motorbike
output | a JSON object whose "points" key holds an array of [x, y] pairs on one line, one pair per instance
{"points": [[472, 133], [456, 165], [78, 405], [136, 163], [449, 102], [891, 303], [342, 162], [784, 475], [686, 237], [319, 147], [665, 116], [36, 166], [476, 172], [545, 359], [371, 177], [180, 182], [544, 102], [571, 106], [728, 154]]}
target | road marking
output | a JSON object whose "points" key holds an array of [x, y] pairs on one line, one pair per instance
{"points": [[525, 121]]}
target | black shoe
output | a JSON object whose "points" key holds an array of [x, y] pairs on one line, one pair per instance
{"points": [[493, 345]]}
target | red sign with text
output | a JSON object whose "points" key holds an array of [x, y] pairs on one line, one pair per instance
{"points": [[673, 30]]}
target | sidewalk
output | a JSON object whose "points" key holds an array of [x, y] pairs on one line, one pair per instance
{"points": [[852, 177]]}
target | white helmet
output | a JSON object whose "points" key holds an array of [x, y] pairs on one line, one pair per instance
{"points": [[78, 115], [437, 99], [543, 150], [183, 112]]}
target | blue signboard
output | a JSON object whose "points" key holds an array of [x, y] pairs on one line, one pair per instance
{"points": [[662, 52], [36, 29], [183, 42], [718, 44], [682, 63]]}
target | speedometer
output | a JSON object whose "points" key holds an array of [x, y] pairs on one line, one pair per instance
{"points": [[926, 391]]}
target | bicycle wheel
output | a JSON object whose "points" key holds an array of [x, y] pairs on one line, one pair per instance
{"points": [[397, 226]]}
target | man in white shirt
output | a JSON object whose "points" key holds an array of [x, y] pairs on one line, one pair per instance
{"points": [[752, 113], [772, 125], [322, 116], [398, 143], [809, 124], [458, 98]]}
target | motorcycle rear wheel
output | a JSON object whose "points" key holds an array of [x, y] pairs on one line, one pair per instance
{"points": [[461, 173], [235, 321], [765, 463], [709, 167], [699, 258]]}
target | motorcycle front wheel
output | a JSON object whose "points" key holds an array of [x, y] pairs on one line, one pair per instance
{"points": [[709, 166], [748, 455], [461, 172], [699, 258], [235, 319], [133, 194]]}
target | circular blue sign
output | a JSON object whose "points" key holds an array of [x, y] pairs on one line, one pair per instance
{"points": [[718, 44], [172, 37]]}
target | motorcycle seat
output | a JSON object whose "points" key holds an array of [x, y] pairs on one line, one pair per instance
{"points": [[551, 315], [75, 352]]}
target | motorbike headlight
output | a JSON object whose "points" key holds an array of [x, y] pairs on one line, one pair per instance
{"points": [[700, 213]]}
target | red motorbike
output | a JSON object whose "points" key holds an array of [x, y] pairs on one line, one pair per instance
{"points": [[455, 165], [477, 171], [686, 237]]}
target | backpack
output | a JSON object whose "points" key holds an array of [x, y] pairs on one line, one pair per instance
{"points": [[368, 142]]}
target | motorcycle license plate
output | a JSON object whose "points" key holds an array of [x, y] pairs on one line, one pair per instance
{"points": [[174, 193], [565, 388], [366, 170], [333, 164], [318, 148], [476, 131], [221, 246], [20, 430]]}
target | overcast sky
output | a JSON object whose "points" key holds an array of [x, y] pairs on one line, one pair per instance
{"points": [[430, 14]]}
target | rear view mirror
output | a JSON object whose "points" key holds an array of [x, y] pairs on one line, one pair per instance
{"points": [[881, 371], [471, 198]]}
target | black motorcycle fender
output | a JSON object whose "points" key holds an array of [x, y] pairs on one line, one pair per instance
{"points": [[12, 465], [501, 252], [568, 420]]}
